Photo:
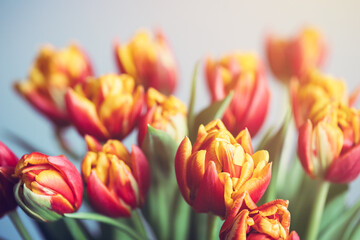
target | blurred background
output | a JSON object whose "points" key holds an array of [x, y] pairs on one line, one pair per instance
{"points": [[194, 29]]}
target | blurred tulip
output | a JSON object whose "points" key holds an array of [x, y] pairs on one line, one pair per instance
{"points": [[149, 61], [164, 113], [218, 168], [8, 162], [329, 144], [313, 92], [50, 76], [294, 56], [246, 221], [107, 107], [244, 74], [116, 180], [49, 186]]}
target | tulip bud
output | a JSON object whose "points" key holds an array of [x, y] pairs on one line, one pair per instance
{"points": [[329, 148], [243, 74], [218, 168], [8, 161], [246, 221], [164, 113], [49, 186], [107, 107], [295, 56], [116, 180], [50, 76], [149, 61]]}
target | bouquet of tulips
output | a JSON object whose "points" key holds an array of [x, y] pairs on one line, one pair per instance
{"points": [[189, 175]]}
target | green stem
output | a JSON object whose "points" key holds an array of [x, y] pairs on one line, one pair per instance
{"points": [[211, 231], [19, 225], [137, 219], [59, 132], [74, 228], [317, 211], [101, 218]]}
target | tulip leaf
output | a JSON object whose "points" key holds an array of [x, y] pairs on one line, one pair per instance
{"points": [[333, 210], [104, 219], [215, 111], [181, 212], [192, 98], [160, 149], [355, 234], [338, 226]]}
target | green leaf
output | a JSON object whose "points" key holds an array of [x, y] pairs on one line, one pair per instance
{"points": [[215, 111], [191, 106], [338, 227], [333, 210], [104, 219], [355, 235], [160, 149], [181, 214]]}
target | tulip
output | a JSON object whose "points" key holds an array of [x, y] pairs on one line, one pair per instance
{"points": [[50, 76], [149, 61], [107, 107], [165, 113], [313, 92], [8, 161], [295, 56], [329, 144], [116, 180], [49, 186], [246, 221], [243, 74], [218, 168]]}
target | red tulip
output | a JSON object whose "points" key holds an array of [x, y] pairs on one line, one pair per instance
{"points": [[50, 76], [295, 56], [218, 168], [149, 61], [8, 161], [49, 186], [116, 180], [165, 113], [107, 107], [243, 74]]}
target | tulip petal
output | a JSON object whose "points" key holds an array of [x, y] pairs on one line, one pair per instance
{"points": [[304, 147], [238, 227], [181, 161], [84, 116], [210, 195], [345, 168], [103, 200], [7, 157], [141, 170]]}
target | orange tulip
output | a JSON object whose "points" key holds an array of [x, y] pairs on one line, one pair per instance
{"points": [[8, 161], [164, 113], [295, 56], [246, 221], [49, 186], [107, 107], [149, 61], [116, 180], [244, 74], [52, 73], [218, 168]]}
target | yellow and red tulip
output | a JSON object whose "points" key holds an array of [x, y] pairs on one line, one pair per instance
{"points": [[244, 74], [315, 91], [49, 186], [116, 180], [52, 73], [246, 221], [164, 113], [329, 144], [149, 61], [218, 168], [288, 57], [107, 107], [8, 162]]}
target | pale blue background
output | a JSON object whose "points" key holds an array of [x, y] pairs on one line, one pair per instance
{"points": [[194, 29]]}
